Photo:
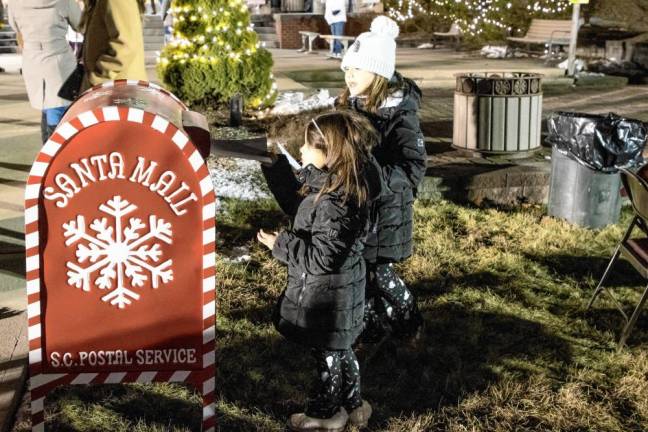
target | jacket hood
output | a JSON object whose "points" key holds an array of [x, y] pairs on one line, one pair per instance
{"points": [[404, 95], [39, 4], [312, 177]]}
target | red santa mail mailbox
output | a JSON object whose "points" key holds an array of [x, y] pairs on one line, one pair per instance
{"points": [[120, 238]]}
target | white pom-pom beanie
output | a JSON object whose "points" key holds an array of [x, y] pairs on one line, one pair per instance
{"points": [[375, 50]]}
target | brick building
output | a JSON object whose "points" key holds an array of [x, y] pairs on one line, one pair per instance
{"points": [[279, 22]]}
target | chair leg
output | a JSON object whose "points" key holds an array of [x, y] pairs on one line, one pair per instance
{"points": [[633, 319], [599, 287], [615, 256]]}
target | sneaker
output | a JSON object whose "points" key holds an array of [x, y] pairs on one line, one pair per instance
{"points": [[302, 423], [359, 417]]}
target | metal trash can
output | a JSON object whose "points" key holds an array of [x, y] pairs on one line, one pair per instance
{"points": [[498, 112], [581, 195], [587, 151]]}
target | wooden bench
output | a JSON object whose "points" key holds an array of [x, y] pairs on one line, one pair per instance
{"points": [[310, 36], [546, 32], [346, 40], [454, 33]]}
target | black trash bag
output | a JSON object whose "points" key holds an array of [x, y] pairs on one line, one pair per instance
{"points": [[603, 143]]}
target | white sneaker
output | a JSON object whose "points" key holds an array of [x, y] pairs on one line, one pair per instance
{"points": [[359, 417], [302, 423]]}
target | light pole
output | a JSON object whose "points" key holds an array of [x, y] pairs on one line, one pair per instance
{"points": [[571, 65]]}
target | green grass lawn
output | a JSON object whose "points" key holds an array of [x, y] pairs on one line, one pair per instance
{"points": [[508, 344]]}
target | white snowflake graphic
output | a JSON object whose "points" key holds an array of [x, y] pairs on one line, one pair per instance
{"points": [[120, 254]]}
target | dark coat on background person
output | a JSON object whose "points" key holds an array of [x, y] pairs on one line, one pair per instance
{"points": [[323, 304], [114, 42], [401, 155]]}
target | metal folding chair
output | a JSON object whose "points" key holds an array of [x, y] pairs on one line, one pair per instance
{"points": [[635, 250]]}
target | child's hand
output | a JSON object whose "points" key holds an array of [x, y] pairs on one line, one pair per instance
{"points": [[268, 239]]}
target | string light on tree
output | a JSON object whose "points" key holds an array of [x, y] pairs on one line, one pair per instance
{"points": [[215, 53], [481, 18]]}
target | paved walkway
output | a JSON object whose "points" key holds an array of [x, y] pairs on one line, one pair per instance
{"points": [[428, 67], [20, 142]]}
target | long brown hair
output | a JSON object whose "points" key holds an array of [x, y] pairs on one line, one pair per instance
{"points": [[346, 138], [376, 94]]}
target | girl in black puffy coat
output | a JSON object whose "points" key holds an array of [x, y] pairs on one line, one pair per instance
{"points": [[323, 306], [390, 102]]}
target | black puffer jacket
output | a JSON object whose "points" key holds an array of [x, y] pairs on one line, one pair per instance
{"points": [[323, 305], [401, 155]]}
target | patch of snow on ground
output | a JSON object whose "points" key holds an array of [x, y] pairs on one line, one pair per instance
{"points": [[238, 178], [579, 65], [494, 51], [294, 102]]}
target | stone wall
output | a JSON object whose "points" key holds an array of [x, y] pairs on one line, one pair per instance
{"points": [[289, 25]]}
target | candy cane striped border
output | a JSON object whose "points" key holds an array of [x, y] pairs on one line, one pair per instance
{"points": [[123, 82], [41, 383]]}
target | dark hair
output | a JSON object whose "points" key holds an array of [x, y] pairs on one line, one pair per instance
{"points": [[346, 138]]}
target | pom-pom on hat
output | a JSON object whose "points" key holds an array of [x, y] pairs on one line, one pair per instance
{"points": [[375, 50]]}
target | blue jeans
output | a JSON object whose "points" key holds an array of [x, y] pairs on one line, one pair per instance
{"points": [[337, 29], [50, 119]]}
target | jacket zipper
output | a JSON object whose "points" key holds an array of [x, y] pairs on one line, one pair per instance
{"points": [[301, 291]]}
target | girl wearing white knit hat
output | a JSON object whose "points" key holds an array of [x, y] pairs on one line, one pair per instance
{"points": [[391, 102]]}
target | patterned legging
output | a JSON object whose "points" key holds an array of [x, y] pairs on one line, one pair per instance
{"points": [[390, 307], [337, 383]]}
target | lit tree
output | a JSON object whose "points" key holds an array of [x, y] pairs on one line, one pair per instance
{"points": [[215, 54], [483, 19]]}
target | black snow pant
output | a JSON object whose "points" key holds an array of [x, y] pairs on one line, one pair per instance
{"points": [[337, 383], [390, 308]]}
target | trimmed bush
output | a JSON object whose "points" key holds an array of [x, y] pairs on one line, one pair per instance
{"points": [[215, 54]]}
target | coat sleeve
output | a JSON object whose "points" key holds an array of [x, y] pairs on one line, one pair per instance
{"points": [[73, 14], [118, 19], [331, 239], [283, 184], [406, 163]]}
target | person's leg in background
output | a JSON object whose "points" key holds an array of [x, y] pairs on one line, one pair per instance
{"points": [[337, 29], [50, 119], [44, 135]]}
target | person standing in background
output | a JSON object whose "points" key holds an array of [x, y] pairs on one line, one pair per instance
{"points": [[74, 38], [114, 41], [335, 16], [47, 59]]}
